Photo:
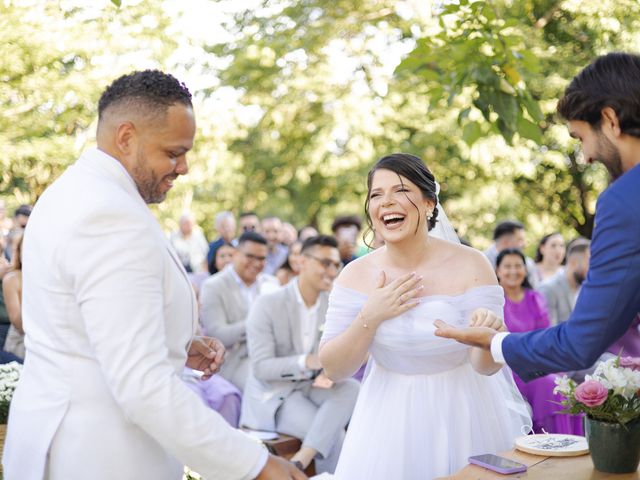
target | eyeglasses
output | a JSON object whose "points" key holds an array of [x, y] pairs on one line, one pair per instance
{"points": [[325, 262], [254, 258]]}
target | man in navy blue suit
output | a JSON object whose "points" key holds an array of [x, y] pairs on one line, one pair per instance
{"points": [[602, 107]]}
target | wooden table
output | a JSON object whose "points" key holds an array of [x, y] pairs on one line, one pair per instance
{"points": [[543, 468]]}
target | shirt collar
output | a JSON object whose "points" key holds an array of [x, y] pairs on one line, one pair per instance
{"points": [[299, 298], [237, 278]]}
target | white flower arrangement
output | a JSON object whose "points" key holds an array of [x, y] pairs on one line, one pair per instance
{"points": [[9, 376], [611, 394]]}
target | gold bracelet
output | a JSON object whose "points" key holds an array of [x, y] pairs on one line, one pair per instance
{"points": [[364, 320]]}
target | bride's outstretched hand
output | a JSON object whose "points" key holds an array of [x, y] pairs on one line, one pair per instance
{"points": [[388, 301], [481, 317]]}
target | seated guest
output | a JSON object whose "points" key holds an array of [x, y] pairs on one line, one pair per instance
{"points": [[226, 227], [288, 234], [225, 300], [221, 256], [5, 267], [249, 222], [190, 245], [510, 234], [12, 292], [307, 231], [346, 230], [525, 310], [290, 268], [277, 253], [561, 290], [549, 256], [283, 333]]}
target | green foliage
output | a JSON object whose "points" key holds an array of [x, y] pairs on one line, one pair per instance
{"points": [[303, 96], [52, 70], [479, 53]]}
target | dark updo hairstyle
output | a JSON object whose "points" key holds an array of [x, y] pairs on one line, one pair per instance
{"points": [[515, 251], [413, 169]]}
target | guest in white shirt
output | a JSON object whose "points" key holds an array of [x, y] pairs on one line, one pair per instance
{"points": [[277, 253], [190, 244]]}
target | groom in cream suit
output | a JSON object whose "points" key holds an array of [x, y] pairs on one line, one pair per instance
{"points": [[109, 315], [286, 391]]}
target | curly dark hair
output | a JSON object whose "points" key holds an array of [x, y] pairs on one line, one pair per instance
{"points": [[151, 91], [410, 167], [609, 81]]}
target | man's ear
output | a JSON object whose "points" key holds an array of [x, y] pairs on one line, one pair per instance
{"points": [[126, 138], [610, 122]]}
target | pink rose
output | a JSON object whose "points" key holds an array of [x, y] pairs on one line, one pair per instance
{"points": [[592, 393], [630, 362]]}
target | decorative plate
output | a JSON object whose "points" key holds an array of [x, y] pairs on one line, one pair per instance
{"points": [[553, 445]]}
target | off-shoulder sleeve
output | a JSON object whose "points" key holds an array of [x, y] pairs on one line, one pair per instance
{"points": [[344, 305], [490, 297]]}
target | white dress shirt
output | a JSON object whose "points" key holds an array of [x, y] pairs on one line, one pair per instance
{"points": [[308, 325], [249, 292]]}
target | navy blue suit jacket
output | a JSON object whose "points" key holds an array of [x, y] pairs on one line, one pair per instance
{"points": [[609, 299]]}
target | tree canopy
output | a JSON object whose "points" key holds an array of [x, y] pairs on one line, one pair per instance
{"points": [[297, 99]]}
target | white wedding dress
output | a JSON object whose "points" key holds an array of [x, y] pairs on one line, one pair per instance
{"points": [[422, 409]]}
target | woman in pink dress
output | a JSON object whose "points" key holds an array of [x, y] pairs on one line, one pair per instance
{"points": [[525, 310]]}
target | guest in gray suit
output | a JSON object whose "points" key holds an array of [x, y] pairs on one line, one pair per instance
{"points": [[226, 298], [286, 391], [561, 290]]}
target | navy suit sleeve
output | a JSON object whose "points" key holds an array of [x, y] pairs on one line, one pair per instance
{"points": [[608, 302]]}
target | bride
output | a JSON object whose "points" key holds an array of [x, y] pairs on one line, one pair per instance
{"points": [[427, 403]]}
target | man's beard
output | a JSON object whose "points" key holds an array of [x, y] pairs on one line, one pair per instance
{"points": [[146, 180], [579, 277], [609, 156]]}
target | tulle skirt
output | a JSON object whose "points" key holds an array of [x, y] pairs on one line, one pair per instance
{"points": [[418, 427]]}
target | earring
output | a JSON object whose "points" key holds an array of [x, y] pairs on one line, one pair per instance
{"points": [[429, 215]]}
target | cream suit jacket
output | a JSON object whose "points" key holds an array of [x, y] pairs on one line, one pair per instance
{"points": [[109, 315]]}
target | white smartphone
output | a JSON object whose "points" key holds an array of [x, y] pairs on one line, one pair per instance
{"points": [[498, 464]]}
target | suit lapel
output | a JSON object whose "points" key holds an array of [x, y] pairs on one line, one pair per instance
{"points": [[105, 165], [239, 305], [185, 276]]}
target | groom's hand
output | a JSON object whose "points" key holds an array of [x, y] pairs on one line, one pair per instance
{"points": [[280, 469], [206, 354], [475, 336]]}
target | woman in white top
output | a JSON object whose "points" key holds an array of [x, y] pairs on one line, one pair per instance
{"points": [[426, 403]]}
